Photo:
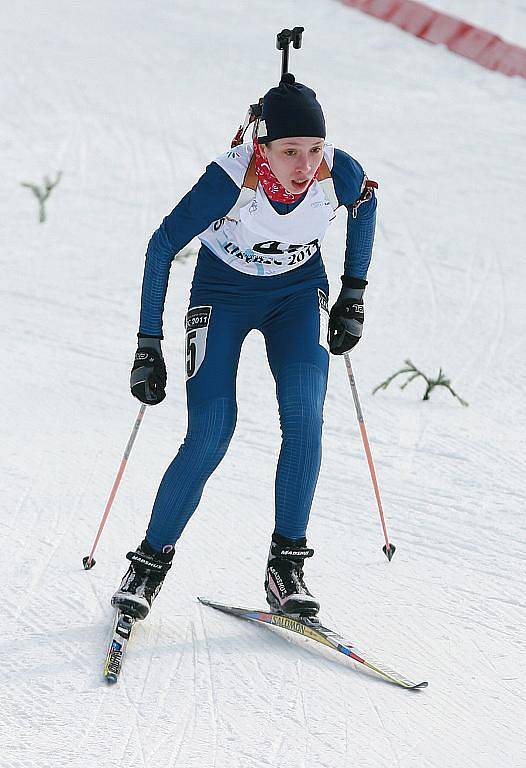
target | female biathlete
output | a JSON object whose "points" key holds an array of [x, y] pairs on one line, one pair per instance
{"points": [[261, 211]]}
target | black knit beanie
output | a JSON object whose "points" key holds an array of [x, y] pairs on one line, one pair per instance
{"points": [[290, 109]]}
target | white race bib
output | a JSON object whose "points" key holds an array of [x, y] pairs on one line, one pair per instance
{"points": [[263, 242]]}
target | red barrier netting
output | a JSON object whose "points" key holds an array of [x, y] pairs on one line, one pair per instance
{"points": [[487, 49]]}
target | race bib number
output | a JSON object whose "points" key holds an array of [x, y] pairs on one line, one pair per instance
{"points": [[196, 324], [323, 302]]}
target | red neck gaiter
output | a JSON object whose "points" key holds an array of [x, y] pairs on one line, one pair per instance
{"points": [[273, 188]]}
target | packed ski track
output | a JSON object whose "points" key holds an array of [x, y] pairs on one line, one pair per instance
{"points": [[130, 101]]}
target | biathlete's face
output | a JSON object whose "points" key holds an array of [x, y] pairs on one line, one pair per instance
{"points": [[294, 161]]}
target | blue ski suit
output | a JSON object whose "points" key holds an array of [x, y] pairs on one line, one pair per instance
{"points": [[225, 305]]}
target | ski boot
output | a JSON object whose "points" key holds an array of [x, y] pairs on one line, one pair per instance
{"points": [[143, 580], [284, 584]]}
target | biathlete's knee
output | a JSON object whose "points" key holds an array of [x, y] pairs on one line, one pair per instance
{"points": [[301, 395], [211, 425]]}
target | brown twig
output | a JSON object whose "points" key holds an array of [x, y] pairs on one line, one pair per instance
{"points": [[43, 193], [414, 373]]}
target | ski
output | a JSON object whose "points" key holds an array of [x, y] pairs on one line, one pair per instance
{"points": [[314, 630], [120, 634]]}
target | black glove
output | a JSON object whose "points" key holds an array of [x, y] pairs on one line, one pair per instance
{"points": [[346, 316], [148, 376]]}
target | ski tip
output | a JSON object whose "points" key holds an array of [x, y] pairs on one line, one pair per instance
{"points": [[111, 678], [220, 606], [389, 551], [206, 601], [87, 563]]}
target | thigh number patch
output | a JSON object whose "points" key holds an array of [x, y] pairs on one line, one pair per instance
{"points": [[196, 324], [323, 302]]}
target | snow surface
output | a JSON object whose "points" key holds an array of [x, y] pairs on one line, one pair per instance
{"points": [[116, 96]]}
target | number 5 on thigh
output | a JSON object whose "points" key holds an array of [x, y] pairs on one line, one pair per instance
{"points": [[196, 324]]}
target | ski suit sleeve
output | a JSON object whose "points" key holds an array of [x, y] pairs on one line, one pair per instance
{"points": [[210, 199], [348, 177]]}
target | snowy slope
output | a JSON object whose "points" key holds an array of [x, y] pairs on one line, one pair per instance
{"points": [[115, 96]]}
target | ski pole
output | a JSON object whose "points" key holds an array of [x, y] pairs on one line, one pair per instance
{"points": [[389, 549], [88, 561]]}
